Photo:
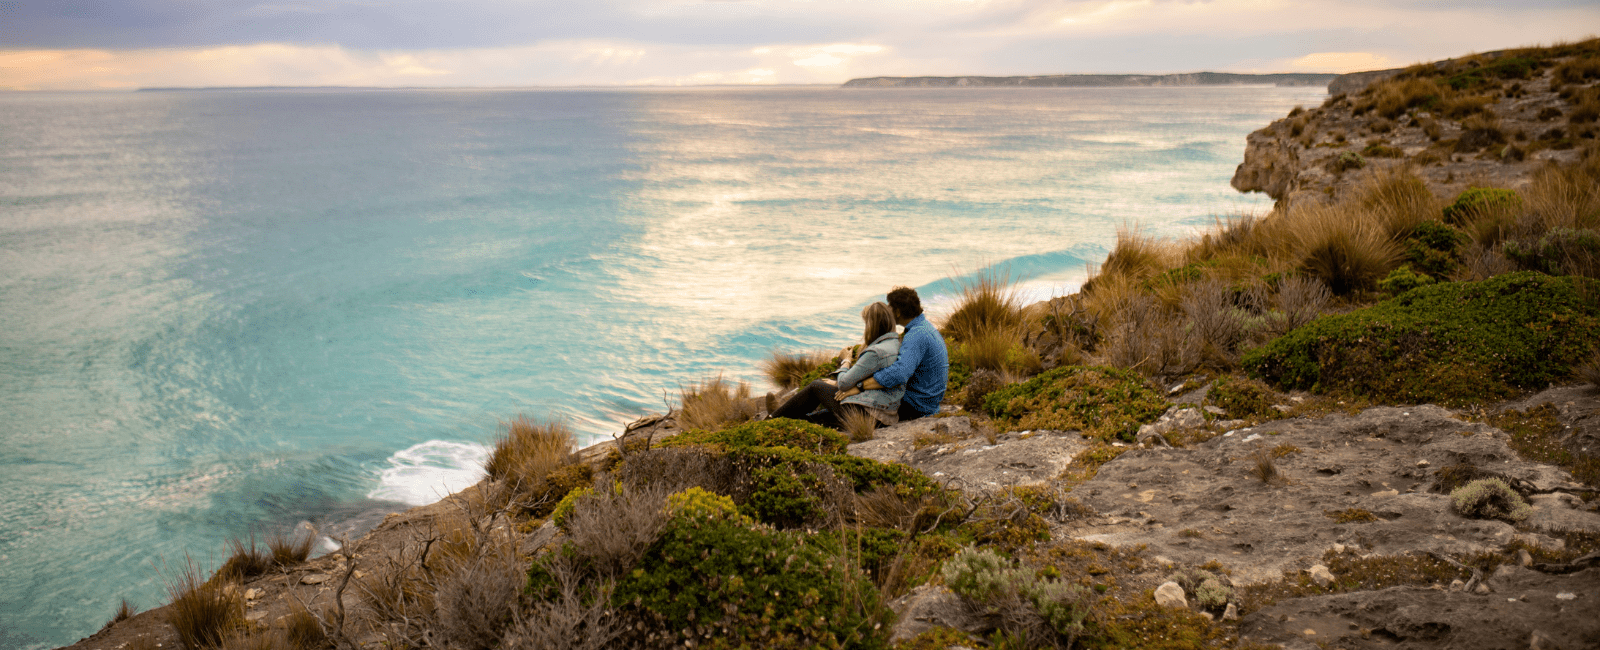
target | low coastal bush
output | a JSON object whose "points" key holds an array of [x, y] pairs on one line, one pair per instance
{"points": [[716, 579], [1243, 399], [1098, 401], [779, 432], [1022, 605], [1453, 343], [1207, 589], [1478, 202], [1559, 251], [1489, 498]]}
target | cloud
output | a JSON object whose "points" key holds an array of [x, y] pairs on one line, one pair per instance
{"points": [[131, 43], [1340, 62]]}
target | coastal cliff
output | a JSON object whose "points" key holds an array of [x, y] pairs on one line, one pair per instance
{"points": [[1487, 120], [1365, 420], [1095, 80]]}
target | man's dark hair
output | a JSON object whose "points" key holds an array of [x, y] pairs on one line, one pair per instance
{"points": [[905, 303]]}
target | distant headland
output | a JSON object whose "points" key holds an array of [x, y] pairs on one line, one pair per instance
{"points": [[1098, 80]]}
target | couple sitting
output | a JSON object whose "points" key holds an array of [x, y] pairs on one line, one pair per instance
{"points": [[890, 380]]}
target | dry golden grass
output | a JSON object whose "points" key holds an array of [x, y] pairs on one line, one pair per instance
{"points": [[529, 450], [289, 549], [301, 629], [785, 370], [715, 404], [1138, 256], [202, 613], [1392, 97], [858, 424], [1398, 201], [125, 611], [1342, 245], [1569, 196], [988, 305], [245, 562]]}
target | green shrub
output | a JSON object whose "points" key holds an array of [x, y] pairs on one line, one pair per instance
{"points": [[1478, 202], [781, 432], [1435, 248], [1380, 150], [1026, 605], [718, 580], [563, 509], [1403, 279], [1455, 343], [1099, 401], [1559, 251], [1489, 498], [1347, 161], [1205, 587], [1242, 398], [823, 370]]}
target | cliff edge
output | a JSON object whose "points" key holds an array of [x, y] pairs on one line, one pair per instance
{"points": [[1485, 120]]}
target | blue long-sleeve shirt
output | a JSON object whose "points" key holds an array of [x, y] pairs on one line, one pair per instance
{"points": [[923, 366]]}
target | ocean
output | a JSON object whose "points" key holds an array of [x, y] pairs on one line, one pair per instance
{"points": [[236, 312]]}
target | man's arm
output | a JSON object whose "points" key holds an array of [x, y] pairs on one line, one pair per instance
{"points": [[911, 352]]}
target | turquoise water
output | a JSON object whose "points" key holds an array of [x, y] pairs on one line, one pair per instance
{"points": [[232, 311]]}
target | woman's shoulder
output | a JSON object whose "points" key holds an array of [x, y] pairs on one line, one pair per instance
{"points": [[888, 343]]}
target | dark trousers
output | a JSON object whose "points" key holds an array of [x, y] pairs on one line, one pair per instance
{"points": [[819, 393], [908, 413]]}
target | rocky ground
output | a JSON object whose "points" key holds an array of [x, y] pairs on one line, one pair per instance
{"points": [[1206, 503], [1203, 503]]}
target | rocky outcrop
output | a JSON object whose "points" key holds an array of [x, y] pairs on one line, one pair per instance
{"points": [[1491, 133]]}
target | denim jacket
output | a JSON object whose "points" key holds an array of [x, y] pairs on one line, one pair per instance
{"points": [[881, 354]]}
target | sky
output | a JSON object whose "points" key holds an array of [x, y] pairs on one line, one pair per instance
{"points": [[128, 44]]}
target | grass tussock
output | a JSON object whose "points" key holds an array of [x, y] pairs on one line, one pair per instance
{"points": [[786, 371], [125, 611], [529, 449], [858, 424], [1567, 196], [246, 561], [202, 613], [1264, 466], [715, 404], [1137, 256]]}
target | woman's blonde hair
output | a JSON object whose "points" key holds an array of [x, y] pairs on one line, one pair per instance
{"points": [[878, 319]]}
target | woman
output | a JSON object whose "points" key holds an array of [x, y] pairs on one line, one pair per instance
{"points": [[882, 347]]}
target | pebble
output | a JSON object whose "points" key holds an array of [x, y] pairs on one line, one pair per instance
{"points": [[1457, 585], [1422, 463], [1321, 575], [1169, 594], [252, 594], [1231, 614], [1482, 589], [1524, 558], [1566, 595], [314, 579]]}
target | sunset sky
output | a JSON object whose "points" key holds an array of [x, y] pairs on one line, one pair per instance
{"points": [[125, 44]]}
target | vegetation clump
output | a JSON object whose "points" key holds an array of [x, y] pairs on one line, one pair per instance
{"points": [[1453, 343], [1475, 203], [1099, 401], [1351, 516], [1208, 589], [718, 580], [779, 432], [1243, 399], [1021, 603], [1489, 498]]}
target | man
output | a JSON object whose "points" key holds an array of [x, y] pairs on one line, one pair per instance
{"points": [[924, 364]]}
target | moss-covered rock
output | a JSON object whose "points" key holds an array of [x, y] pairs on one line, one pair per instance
{"points": [[1489, 498], [1453, 343], [1099, 401]]}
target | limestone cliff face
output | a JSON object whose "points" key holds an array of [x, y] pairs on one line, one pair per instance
{"points": [[1473, 121]]}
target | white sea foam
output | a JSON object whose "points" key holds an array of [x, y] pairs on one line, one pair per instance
{"points": [[427, 472]]}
